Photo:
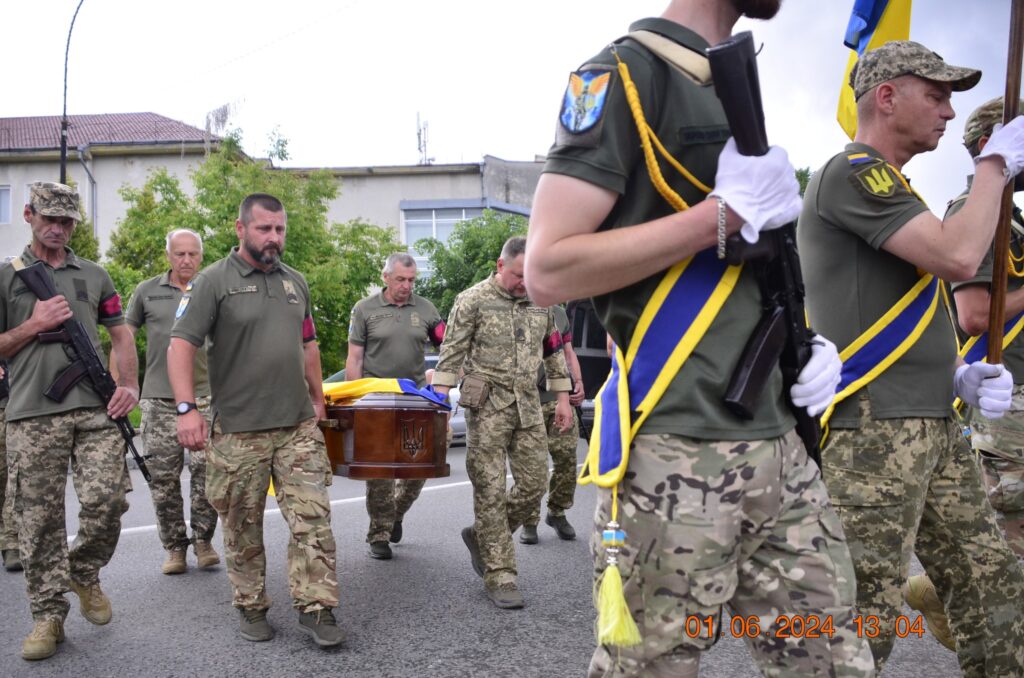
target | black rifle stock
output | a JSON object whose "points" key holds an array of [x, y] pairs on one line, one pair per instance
{"points": [[85, 364], [782, 336]]}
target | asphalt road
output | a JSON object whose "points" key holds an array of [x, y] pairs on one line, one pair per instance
{"points": [[424, 613]]}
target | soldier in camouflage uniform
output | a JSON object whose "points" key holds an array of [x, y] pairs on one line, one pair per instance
{"points": [[895, 463], [43, 436], [152, 306], [267, 395], [387, 335], [561, 444], [716, 511], [8, 530], [998, 444], [499, 338]]}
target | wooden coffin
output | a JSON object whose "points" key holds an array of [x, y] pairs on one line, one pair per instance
{"points": [[387, 435]]}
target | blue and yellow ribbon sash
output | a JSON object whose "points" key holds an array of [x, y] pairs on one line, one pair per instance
{"points": [[674, 320], [886, 341]]}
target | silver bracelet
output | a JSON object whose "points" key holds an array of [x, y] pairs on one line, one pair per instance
{"points": [[721, 227]]}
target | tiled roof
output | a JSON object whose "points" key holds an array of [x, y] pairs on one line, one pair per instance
{"points": [[43, 132]]}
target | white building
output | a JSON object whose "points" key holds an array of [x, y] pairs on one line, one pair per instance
{"points": [[105, 152]]}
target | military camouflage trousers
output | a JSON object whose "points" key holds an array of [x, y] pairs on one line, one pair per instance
{"points": [[239, 467], [911, 485], [1000, 445], [39, 450], [562, 482], [388, 501], [166, 461], [747, 525], [8, 528], [492, 437]]}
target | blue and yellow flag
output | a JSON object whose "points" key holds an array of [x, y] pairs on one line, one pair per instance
{"points": [[346, 390], [872, 23]]}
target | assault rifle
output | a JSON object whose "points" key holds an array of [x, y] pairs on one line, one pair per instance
{"points": [[85, 363], [782, 337]]}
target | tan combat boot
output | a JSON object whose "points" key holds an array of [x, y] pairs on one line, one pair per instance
{"points": [[95, 605], [175, 563], [205, 554], [42, 642], [920, 594]]}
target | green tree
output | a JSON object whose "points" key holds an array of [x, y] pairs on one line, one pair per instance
{"points": [[339, 262], [83, 242], [468, 257], [803, 175]]}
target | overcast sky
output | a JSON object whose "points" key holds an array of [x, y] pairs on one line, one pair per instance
{"points": [[343, 80]]}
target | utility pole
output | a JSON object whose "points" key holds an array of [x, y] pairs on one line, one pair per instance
{"points": [[64, 116]]}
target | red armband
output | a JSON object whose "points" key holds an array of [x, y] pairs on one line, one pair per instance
{"points": [[436, 333], [552, 344]]}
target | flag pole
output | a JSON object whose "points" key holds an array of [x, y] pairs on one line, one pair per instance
{"points": [[1011, 106]]}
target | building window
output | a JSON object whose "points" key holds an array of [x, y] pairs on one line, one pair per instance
{"points": [[5, 204], [433, 223]]}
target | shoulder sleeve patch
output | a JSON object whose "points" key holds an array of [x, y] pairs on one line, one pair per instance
{"points": [[877, 179], [583, 105]]}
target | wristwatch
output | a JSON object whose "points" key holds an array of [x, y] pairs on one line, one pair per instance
{"points": [[185, 408]]}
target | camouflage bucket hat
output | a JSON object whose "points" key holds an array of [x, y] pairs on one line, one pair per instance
{"points": [[905, 57], [54, 200], [983, 119]]}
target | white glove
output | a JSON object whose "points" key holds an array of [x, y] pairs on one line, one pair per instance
{"points": [[815, 387], [986, 387], [1008, 143], [761, 189]]}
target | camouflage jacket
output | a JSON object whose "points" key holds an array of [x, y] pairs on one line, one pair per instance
{"points": [[502, 339]]}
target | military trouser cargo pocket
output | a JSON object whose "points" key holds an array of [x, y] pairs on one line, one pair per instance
{"points": [[473, 392]]}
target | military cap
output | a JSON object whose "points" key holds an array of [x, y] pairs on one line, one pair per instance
{"points": [[905, 57], [983, 119], [54, 200]]}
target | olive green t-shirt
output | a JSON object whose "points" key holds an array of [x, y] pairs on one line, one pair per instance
{"points": [[1013, 355], [90, 292], [689, 121], [255, 325], [393, 337], [153, 305], [562, 325], [851, 207]]}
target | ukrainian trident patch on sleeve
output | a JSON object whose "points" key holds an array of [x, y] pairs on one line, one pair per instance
{"points": [[583, 104]]}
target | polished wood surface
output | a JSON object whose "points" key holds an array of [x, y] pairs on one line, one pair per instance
{"points": [[387, 435]]}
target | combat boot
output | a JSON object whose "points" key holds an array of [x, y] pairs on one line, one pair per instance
{"points": [[920, 594], [396, 532], [469, 538], [562, 527], [322, 626], [205, 554], [12, 560], [528, 535], [254, 626], [380, 550], [506, 596], [175, 563], [95, 605], [42, 642]]}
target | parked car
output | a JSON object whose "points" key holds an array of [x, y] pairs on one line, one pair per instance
{"points": [[458, 420], [589, 341]]}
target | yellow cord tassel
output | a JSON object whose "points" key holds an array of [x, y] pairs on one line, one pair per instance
{"points": [[615, 625]]}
